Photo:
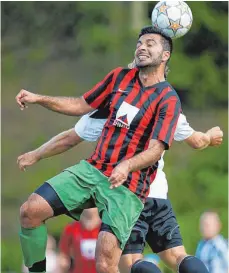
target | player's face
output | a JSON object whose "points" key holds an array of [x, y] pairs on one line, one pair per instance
{"points": [[149, 51], [209, 225]]}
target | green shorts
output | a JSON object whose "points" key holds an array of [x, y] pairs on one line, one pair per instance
{"points": [[119, 207]]}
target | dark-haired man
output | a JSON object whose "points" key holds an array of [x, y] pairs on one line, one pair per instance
{"points": [[143, 113]]}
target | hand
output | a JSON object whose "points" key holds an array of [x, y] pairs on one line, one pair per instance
{"points": [[26, 97], [216, 136], [119, 174], [27, 159]]}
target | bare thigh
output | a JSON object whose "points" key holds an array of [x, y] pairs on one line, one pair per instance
{"points": [[35, 211], [173, 256], [107, 253], [127, 261]]}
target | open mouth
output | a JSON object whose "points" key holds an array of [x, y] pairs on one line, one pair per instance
{"points": [[142, 57]]}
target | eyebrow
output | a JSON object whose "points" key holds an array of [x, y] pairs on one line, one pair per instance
{"points": [[148, 40]]}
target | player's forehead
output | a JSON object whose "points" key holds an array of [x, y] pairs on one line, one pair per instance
{"points": [[150, 36]]}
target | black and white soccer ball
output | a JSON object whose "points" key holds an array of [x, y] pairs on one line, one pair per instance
{"points": [[174, 18]]}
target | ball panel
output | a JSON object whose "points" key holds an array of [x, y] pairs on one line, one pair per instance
{"points": [[181, 32], [174, 13], [162, 21], [154, 15], [185, 20], [169, 32], [173, 3]]}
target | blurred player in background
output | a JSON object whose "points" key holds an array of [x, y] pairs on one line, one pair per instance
{"points": [[157, 223], [78, 242], [213, 249]]}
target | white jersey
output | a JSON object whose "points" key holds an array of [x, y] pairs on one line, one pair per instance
{"points": [[90, 129]]}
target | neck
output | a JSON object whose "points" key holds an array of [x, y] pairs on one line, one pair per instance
{"points": [[151, 75]]}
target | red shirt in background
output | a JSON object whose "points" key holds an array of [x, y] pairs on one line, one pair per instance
{"points": [[79, 244]]}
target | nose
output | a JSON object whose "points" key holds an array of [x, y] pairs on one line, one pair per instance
{"points": [[142, 48]]}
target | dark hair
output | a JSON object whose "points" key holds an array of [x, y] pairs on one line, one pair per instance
{"points": [[167, 42]]}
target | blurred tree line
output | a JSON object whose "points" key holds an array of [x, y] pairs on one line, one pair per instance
{"points": [[64, 48], [55, 30]]}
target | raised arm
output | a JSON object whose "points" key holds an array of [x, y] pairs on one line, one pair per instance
{"points": [[57, 145], [197, 140], [65, 105], [200, 141], [86, 128], [90, 101]]}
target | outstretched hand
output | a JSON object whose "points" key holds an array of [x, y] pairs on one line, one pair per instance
{"points": [[27, 159], [24, 97]]}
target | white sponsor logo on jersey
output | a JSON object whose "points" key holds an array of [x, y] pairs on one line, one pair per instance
{"points": [[125, 115]]}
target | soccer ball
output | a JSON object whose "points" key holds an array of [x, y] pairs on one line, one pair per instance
{"points": [[174, 18]]}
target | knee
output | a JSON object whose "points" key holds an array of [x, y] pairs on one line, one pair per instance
{"points": [[26, 213], [29, 213]]}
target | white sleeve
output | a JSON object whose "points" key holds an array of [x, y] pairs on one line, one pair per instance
{"points": [[88, 128], [183, 129]]}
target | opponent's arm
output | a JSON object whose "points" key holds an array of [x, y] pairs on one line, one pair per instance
{"points": [[57, 145], [200, 141], [65, 105], [86, 128]]}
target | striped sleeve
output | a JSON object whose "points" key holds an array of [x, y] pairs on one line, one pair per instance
{"points": [[99, 93], [166, 119]]}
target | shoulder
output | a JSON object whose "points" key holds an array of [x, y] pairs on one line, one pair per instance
{"points": [[165, 90], [172, 90], [220, 241], [124, 70]]}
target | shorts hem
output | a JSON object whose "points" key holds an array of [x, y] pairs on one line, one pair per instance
{"points": [[167, 247]]}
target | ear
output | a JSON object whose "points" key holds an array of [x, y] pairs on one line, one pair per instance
{"points": [[165, 56]]}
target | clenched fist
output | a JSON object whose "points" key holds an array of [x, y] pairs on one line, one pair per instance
{"points": [[24, 97], [216, 136], [27, 159]]}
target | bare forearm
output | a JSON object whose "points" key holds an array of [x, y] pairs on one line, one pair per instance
{"points": [[58, 144], [148, 157], [65, 105], [199, 140]]}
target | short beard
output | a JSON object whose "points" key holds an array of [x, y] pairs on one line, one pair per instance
{"points": [[149, 67]]}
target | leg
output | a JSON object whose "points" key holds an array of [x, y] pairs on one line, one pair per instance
{"points": [[173, 256], [33, 234], [177, 259], [35, 211], [127, 261], [131, 260], [41, 205], [107, 253]]}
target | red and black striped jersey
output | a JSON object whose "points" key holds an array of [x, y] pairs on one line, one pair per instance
{"points": [[137, 114]]}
